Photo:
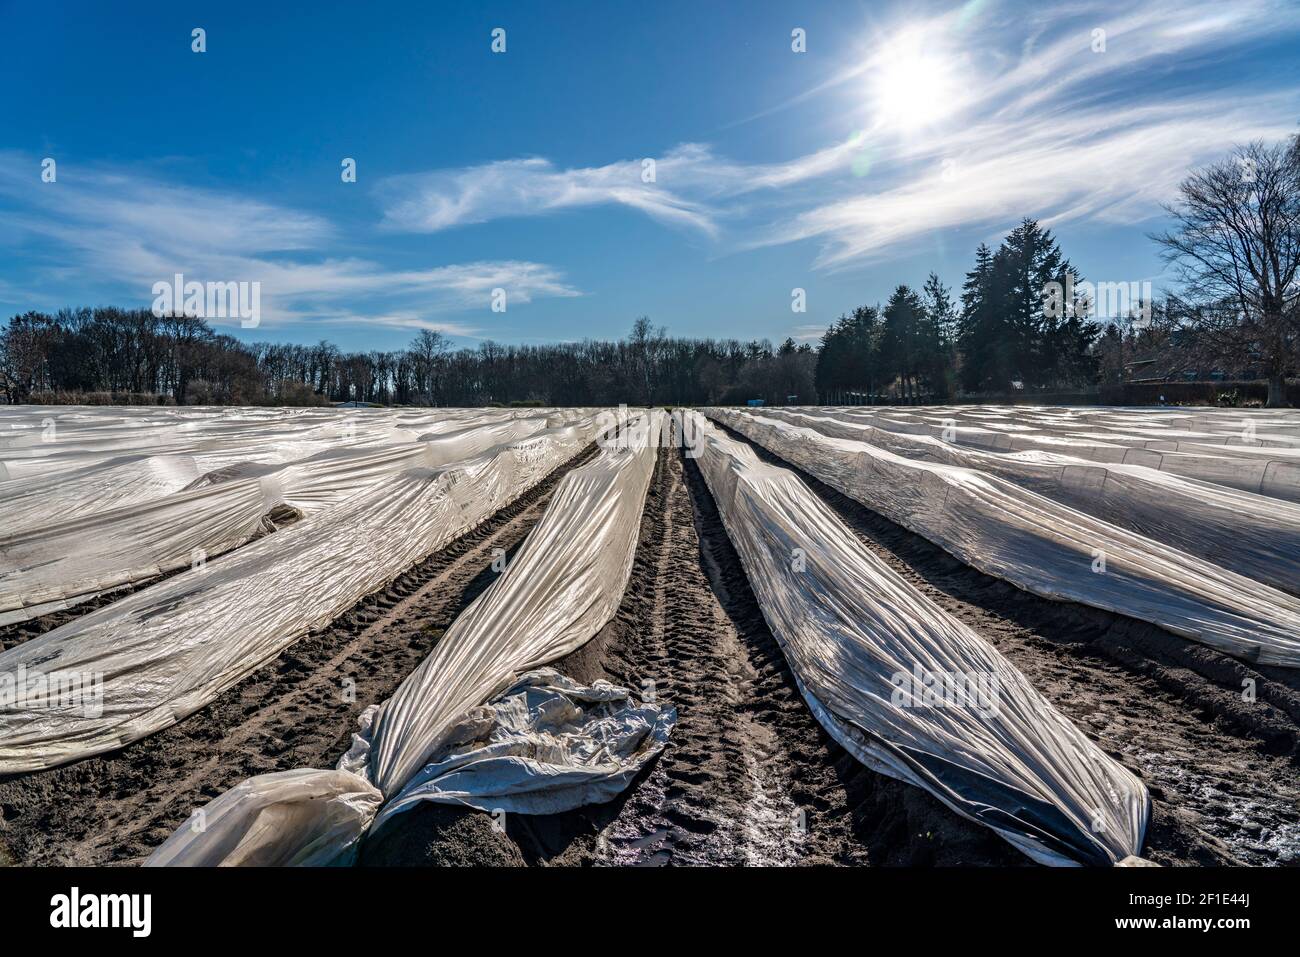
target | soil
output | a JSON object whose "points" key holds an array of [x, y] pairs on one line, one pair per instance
{"points": [[749, 777], [1221, 768], [297, 711]]}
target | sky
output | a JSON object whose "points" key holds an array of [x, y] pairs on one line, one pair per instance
{"points": [[692, 162]]}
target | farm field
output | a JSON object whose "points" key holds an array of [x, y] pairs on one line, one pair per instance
{"points": [[966, 635]]}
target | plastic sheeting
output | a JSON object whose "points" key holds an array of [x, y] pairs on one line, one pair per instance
{"points": [[1042, 546], [871, 656], [1250, 534], [545, 746], [157, 656], [85, 461], [244, 826], [1252, 450], [57, 565], [564, 584]]}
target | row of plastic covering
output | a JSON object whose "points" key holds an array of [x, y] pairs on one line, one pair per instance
{"points": [[61, 563], [1042, 546], [82, 465], [1223, 429], [145, 662], [1251, 534], [564, 584], [907, 689], [1250, 451]]}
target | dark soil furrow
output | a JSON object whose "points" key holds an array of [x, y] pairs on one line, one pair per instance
{"points": [[1220, 766], [299, 710], [749, 777]]}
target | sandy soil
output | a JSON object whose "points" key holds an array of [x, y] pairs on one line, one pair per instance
{"points": [[1222, 770], [297, 711], [749, 776]]}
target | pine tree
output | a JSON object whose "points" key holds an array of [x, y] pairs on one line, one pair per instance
{"points": [[939, 365], [977, 334], [907, 340], [849, 357], [1006, 332]]}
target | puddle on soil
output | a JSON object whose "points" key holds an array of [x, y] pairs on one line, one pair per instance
{"points": [[773, 828], [1258, 831]]}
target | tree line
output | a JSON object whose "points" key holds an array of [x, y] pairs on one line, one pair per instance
{"points": [[1025, 320], [1234, 244], [107, 354]]}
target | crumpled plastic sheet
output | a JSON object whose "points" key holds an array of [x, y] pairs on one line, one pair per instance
{"points": [[1042, 546], [242, 828], [57, 565], [1254, 535], [872, 656], [546, 745], [155, 657], [559, 590], [84, 462], [1252, 450]]}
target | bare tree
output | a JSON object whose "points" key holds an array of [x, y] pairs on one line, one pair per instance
{"points": [[1236, 246], [427, 351]]}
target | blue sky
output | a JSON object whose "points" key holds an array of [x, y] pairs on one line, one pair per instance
{"points": [[902, 137]]}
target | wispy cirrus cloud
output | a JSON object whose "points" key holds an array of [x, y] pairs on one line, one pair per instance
{"points": [[428, 202], [1105, 165], [1044, 117], [1085, 125], [134, 231], [689, 185]]}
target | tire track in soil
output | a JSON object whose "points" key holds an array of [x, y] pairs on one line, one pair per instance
{"points": [[1222, 771], [720, 792], [290, 713], [749, 776]]}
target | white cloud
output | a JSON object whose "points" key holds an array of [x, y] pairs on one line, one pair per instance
{"points": [[1039, 125], [809, 332], [1104, 164], [427, 202], [131, 233], [689, 180]]}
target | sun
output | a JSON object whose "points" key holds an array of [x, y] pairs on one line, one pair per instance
{"points": [[910, 86]]}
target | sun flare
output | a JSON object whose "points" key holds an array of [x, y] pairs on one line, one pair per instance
{"points": [[911, 87]]}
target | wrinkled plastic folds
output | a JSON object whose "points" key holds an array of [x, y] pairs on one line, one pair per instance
{"points": [[1251, 534], [63, 462], [150, 659], [546, 745], [56, 565], [241, 827], [1255, 450], [563, 585], [906, 688], [1042, 546]]}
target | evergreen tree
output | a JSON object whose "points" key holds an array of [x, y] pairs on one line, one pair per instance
{"points": [[978, 332], [849, 356], [939, 367], [1010, 331], [908, 341]]}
